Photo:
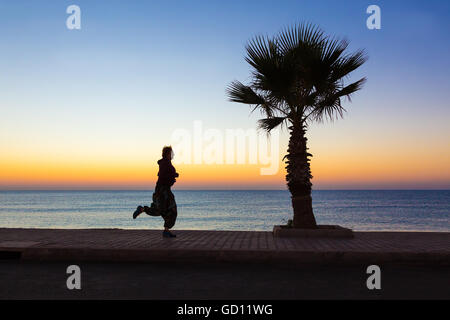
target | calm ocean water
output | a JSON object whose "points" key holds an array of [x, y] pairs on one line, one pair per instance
{"points": [[226, 210]]}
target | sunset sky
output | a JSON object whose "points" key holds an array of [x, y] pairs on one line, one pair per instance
{"points": [[92, 108]]}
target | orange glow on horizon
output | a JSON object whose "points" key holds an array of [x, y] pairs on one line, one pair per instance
{"points": [[328, 171]]}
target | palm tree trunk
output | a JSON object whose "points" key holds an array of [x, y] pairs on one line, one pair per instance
{"points": [[299, 178]]}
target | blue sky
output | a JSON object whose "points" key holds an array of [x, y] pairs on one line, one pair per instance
{"points": [[137, 70]]}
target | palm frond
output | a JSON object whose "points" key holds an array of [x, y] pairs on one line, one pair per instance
{"points": [[351, 88], [329, 106], [238, 92], [329, 109], [268, 124], [301, 35], [345, 65], [333, 49], [271, 73], [260, 52], [298, 75]]}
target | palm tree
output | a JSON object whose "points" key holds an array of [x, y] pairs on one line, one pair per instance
{"points": [[298, 78]]}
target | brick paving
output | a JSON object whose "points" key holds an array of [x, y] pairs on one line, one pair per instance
{"points": [[232, 246]]}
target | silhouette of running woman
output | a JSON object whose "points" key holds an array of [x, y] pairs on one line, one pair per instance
{"points": [[164, 204]]}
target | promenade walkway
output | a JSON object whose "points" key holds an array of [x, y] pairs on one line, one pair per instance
{"points": [[232, 246]]}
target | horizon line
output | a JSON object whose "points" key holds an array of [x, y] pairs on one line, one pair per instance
{"points": [[390, 189]]}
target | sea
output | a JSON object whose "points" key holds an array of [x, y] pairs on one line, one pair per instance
{"points": [[362, 210]]}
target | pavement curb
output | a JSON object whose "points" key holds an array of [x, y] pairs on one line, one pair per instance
{"points": [[111, 245], [230, 256]]}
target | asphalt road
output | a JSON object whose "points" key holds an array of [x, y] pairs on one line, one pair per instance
{"points": [[47, 280]]}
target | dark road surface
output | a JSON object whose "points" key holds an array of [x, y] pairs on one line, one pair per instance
{"points": [[34, 280]]}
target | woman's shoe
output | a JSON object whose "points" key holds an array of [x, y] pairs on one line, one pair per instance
{"points": [[138, 211], [168, 234]]}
